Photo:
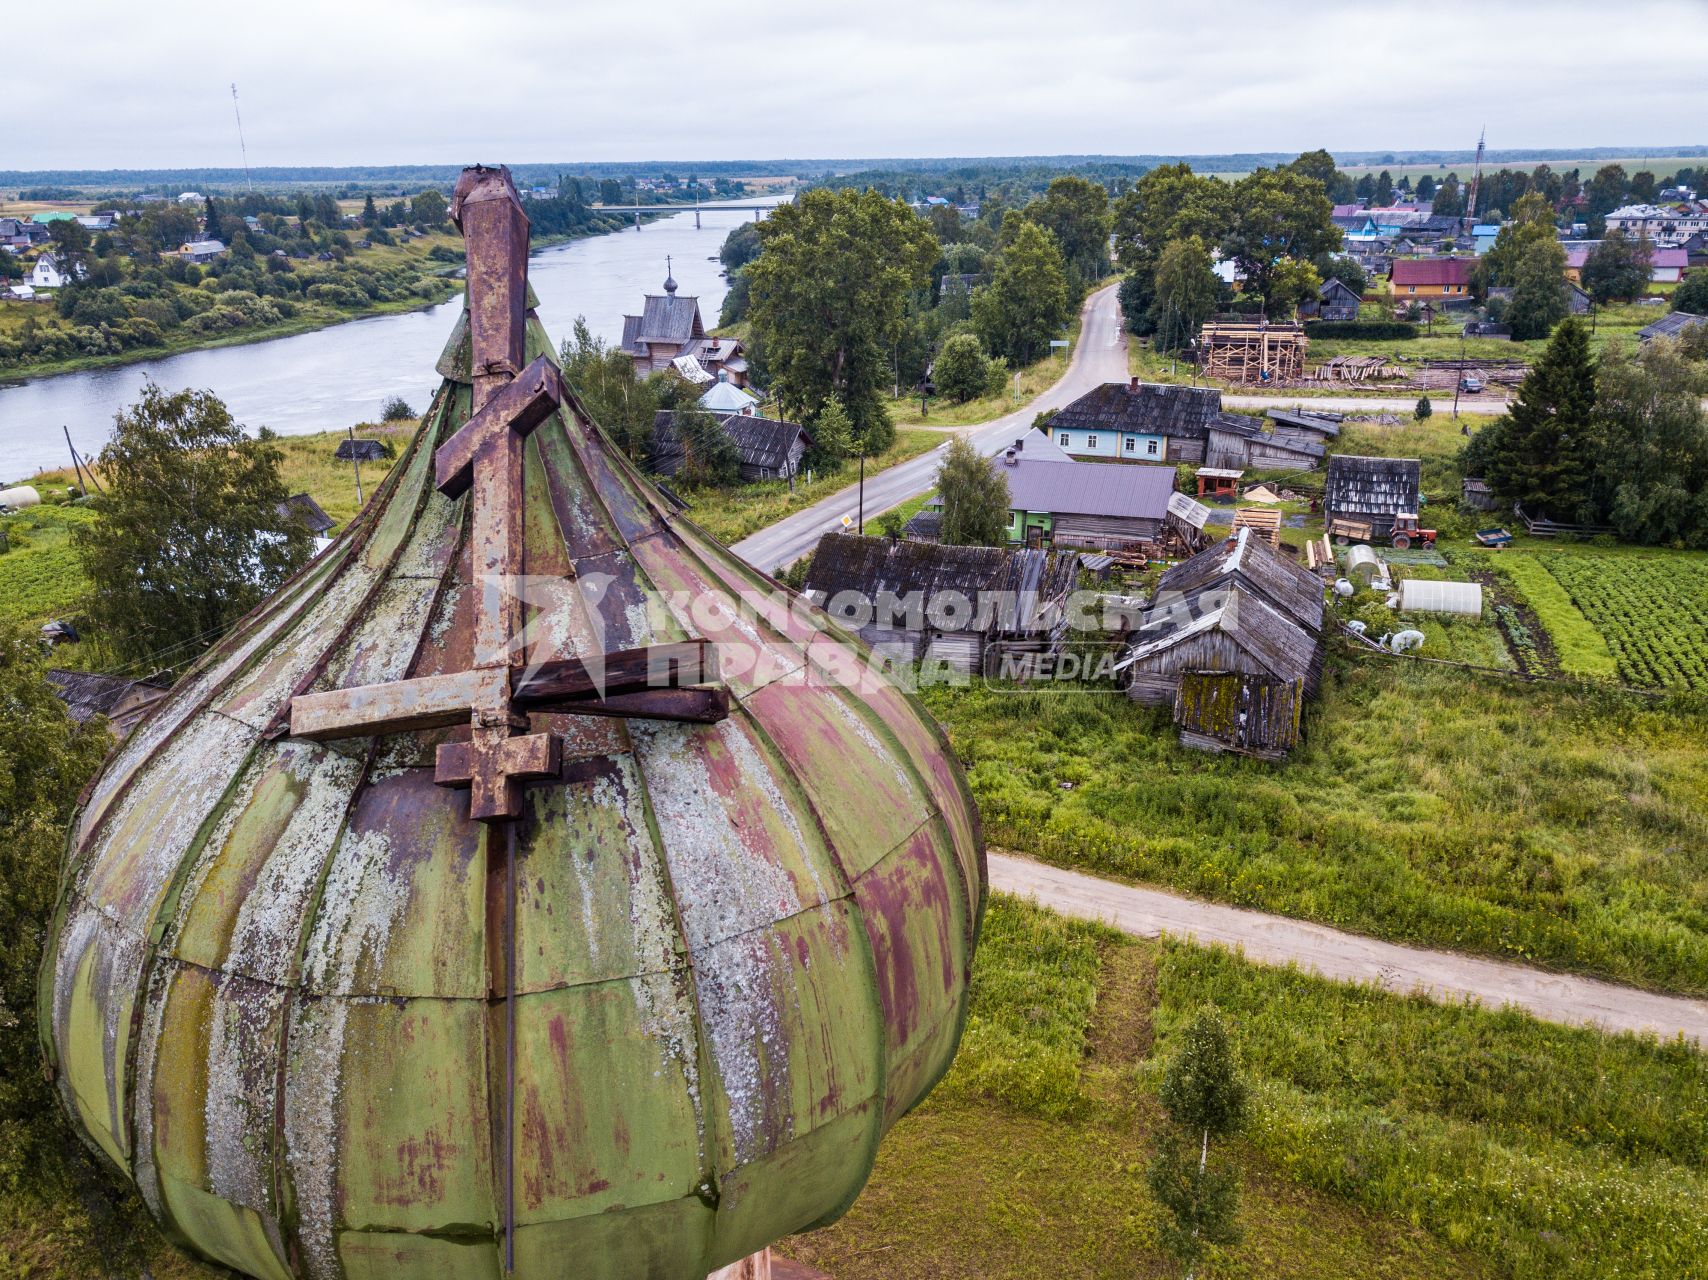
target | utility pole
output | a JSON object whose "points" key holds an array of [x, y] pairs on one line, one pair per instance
{"points": [[1460, 380], [241, 145], [862, 509], [356, 464]]}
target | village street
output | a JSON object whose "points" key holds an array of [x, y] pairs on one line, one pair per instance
{"points": [[1349, 957], [1101, 357]]}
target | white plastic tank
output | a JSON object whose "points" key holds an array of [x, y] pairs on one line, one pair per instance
{"points": [[19, 496]]}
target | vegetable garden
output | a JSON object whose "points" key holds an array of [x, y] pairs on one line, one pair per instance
{"points": [[1653, 613]]}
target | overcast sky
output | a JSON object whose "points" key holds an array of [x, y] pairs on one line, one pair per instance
{"points": [[129, 85]]}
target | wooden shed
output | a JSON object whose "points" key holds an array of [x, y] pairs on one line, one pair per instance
{"points": [[926, 601], [1239, 606], [1249, 715], [1371, 489], [360, 451]]}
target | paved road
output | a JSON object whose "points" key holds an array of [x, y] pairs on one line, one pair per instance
{"points": [[1365, 404], [1101, 357], [1349, 957]]}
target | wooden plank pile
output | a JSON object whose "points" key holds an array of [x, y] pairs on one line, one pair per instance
{"points": [[1264, 522]]}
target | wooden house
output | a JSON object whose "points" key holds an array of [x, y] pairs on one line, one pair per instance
{"points": [[1076, 504], [1670, 326], [359, 451], [953, 606], [123, 702], [1240, 606], [1446, 281], [1476, 494], [1138, 422], [768, 449], [1371, 489], [1335, 300]]}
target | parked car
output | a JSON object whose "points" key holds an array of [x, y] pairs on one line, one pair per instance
{"points": [[1469, 383]]}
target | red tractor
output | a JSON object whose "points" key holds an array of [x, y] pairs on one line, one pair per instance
{"points": [[1406, 532]]}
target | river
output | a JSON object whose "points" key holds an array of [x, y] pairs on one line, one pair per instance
{"points": [[333, 377]]}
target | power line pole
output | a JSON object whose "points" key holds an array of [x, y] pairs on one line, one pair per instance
{"points": [[241, 145]]}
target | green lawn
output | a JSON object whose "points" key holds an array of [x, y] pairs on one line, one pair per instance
{"points": [[1558, 825]]}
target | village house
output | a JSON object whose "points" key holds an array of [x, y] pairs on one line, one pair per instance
{"points": [[1670, 326], [958, 607], [768, 449], [1445, 281], [201, 251], [1075, 504], [1238, 606], [121, 701], [1335, 300], [1666, 264], [1371, 490], [1138, 422], [670, 328], [46, 273]]}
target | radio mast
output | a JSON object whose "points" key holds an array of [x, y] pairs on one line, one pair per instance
{"points": [[1476, 181], [241, 145]]}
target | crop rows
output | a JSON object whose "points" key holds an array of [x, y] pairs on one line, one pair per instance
{"points": [[1652, 613]]}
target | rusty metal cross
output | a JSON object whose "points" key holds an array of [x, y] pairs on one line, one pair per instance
{"points": [[484, 458]]}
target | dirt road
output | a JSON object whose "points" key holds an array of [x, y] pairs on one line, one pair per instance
{"points": [[1350, 957]]}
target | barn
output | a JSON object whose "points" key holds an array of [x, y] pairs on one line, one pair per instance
{"points": [[1371, 489], [1239, 606], [768, 449], [924, 601]]}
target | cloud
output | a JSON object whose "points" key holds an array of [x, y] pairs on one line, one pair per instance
{"points": [[438, 82]]}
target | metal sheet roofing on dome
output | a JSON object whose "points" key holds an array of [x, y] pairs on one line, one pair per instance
{"points": [[334, 1024]]}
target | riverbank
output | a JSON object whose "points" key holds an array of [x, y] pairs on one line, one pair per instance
{"points": [[432, 288]]}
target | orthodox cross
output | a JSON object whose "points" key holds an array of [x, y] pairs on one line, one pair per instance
{"points": [[484, 459]]}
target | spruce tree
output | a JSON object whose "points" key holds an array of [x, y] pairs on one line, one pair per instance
{"points": [[1544, 455]]}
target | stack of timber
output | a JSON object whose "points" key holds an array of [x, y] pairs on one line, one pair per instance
{"points": [[1264, 522], [1253, 353], [1354, 369]]}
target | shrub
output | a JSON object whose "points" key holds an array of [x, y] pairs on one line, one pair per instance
{"points": [[396, 409]]}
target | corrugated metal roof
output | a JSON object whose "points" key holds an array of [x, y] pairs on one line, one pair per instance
{"points": [[1411, 271], [1131, 491]]}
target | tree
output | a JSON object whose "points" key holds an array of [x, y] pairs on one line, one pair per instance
{"points": [[1278, 214], [962, 371], [1691, 296], [192, 531], [610, 191], [1424, 408], [1342, 267], [1076, 212], [1204, 1099], [1543, 453], [1186, 292], [1618, 267], [1027, 301], [828, 296], [1170, 202], [1426, 187], [833, 432], [1532, 223], [1539, 296], [71, 244], [1643, 187], [1383, 194], [1290, 283], [1320, 166], [1449, 198], [740, 247], [1604, 193], [1654, 455], [370, 214], [974, 496], [603, 379], [709, 457], [428, 208], [1137, 294], [213, 224]]}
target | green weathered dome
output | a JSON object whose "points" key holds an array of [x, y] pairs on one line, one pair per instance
{"points": [[741, 948]]}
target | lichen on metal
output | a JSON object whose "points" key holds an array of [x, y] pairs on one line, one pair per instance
{"points": [[337, 1023]]}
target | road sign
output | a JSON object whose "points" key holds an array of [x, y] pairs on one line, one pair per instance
{"points": [[1059, 342], [847, 522]]}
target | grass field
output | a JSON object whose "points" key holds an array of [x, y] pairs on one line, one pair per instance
{"points": [[1562, 826], [1390, 1136], [1035, 379]]}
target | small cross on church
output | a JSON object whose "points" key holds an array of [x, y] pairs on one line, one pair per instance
{"points": [[484, 459]]}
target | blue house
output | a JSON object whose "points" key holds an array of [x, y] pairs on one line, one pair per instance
{"points": [[1483, 238], [1138, 422]]}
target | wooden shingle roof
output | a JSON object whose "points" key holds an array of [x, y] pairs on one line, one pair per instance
{"points": [[760, 442], [1371, 486], [1149, 408]]}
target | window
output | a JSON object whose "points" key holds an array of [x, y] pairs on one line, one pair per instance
{"points": [[1062, 440], [1090, 442], [1132, 444], [1411, 288], [1150, 447]]}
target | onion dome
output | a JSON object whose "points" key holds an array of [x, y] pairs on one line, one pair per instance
{"points": [[529, 879], [669, 277]]}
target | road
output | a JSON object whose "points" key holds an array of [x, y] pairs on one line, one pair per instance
{"points": [[1349, 957], [1364, 404], [1101, 357]]}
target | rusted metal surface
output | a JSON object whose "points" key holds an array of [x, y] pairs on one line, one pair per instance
{"points": [[336, 1026]]}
